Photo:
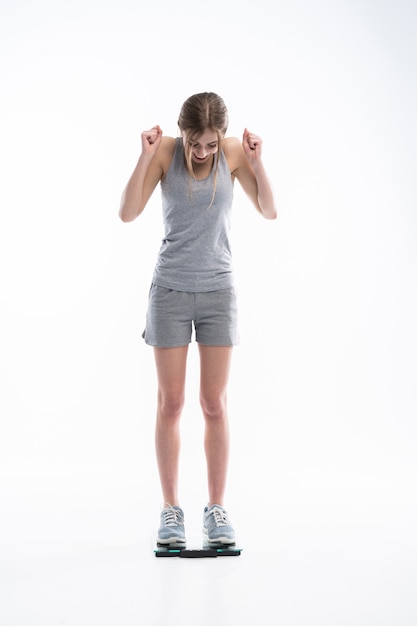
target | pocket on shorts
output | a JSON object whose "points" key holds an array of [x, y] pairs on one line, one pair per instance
{"points": [[149, 299]]}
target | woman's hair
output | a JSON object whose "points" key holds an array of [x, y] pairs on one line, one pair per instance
{"points": [[201, 112]]}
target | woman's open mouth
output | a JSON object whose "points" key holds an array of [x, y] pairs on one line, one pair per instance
{"points": [[200, 159]]}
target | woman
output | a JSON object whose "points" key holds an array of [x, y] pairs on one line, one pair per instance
{"points": [[193, 285]]}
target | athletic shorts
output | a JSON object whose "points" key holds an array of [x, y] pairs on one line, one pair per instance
{"points": [[171, 316]]}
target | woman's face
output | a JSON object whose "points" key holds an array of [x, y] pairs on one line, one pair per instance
{"points": [[202, 148]]}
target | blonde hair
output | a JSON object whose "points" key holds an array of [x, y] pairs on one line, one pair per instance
{"points": [[201, 112]]}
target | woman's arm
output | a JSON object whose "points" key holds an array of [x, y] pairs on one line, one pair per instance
{"points": [[145, 177], [248, 168]]}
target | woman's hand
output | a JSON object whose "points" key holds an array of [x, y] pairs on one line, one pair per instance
{"points": [[252, 145], [151, 140]]}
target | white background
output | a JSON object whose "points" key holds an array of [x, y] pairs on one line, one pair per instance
{"points": [[322, 397]]}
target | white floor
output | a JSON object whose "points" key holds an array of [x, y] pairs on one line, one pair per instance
{"points": [[337, 556]]}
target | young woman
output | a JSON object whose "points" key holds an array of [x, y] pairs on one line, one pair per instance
{"points": [[193, 285]]}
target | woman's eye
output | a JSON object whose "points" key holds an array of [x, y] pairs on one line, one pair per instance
{"points": [[197, 145]]}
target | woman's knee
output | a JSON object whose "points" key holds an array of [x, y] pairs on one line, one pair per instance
{"points": [[213, 406], [170, 405]]}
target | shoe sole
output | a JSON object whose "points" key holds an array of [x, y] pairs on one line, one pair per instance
{"points": [[223, 541]]}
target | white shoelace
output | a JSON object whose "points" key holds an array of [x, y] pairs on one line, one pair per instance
{"points": [[220, 517], [171, 516]]}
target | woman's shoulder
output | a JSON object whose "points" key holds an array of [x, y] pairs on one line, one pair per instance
{"points": [[233, 151], [168, 144], [231, 143], [166, 152]]}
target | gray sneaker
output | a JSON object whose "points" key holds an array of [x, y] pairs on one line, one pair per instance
{"points": [[171, 530], [217, 527]]}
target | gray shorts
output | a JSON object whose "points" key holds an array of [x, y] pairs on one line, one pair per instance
{"points": [[171, 315]]}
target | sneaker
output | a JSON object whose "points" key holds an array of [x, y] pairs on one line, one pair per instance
{"points": [[171, 530], [217, 527]]}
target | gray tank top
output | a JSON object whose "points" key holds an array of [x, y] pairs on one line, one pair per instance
{"points": [[195, 254]]}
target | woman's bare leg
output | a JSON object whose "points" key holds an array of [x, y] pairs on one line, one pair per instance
{"points": [[171, 368], [215, 366]]}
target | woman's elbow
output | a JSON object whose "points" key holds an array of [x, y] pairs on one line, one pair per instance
{"points": [[125, 217], [127, 213], [269, 214]]}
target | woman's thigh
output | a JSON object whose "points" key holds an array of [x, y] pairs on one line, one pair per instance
{"points": [[215, 362], [171, 365]]}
